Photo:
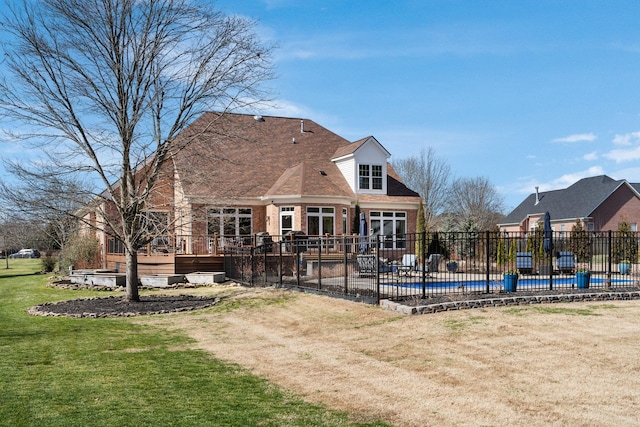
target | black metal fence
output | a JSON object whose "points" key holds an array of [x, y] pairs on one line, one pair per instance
{"points": [[424, 265]]}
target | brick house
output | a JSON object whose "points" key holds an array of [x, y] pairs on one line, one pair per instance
{"points": [[600, 203], [241, 175]]}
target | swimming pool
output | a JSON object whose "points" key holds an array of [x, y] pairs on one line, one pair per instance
{"points": [[522, 283]]}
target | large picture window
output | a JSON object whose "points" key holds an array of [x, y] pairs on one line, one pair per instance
{"points": [[229, 221], [391, 225], [370, 177], [320, 221]]}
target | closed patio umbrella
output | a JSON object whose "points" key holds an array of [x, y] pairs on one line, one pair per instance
{"points": [[547, 244], [547, 234], [364, 247]]}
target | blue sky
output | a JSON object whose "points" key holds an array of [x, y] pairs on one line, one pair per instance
{"points": [[525, 93]]}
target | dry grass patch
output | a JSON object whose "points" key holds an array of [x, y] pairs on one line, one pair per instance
{"points": [[565, 364]]}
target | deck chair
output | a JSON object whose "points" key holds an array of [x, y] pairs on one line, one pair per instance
{"points": [[408, 264], [523, 262], [367, 265], [565, 262], [433, 262]]}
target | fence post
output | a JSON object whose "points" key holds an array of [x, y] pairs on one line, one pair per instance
{"points": [[377, 267], [280, 262], [297, 258], [423, 252], [253, 266], [487, 250], [551, 263], [609, 253], [320, 239], [346, 265]]}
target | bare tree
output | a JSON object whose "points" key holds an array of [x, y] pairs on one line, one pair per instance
{"points": [[104, 87], [474, 204], [430, 176], [52, 202]]}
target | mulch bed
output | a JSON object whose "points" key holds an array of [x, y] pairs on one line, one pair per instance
{"points": [[117, 306]]}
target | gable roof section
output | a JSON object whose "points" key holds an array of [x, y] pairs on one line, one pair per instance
{"points": [[576, 201], [242, 156], [307, 179], [354, 146]]}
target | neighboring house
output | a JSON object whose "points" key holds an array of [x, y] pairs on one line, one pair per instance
{"points": [[600, 203], [241, 175]]}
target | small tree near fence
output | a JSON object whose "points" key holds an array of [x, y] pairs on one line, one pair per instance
{"points": [[625, 244], [579, 243]]}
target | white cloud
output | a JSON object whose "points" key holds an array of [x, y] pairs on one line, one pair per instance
{"points": [[627, 139], [590, 156], [631, 174], [578, 137], [620, 155], [379, 43], [562, 181], [629, 148]]}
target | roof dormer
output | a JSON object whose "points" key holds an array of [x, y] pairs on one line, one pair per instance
{"points": [[364, 165]]}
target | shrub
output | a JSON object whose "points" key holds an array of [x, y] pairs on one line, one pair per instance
{"points": [[625, 244], [81, 251], [48, 264]]}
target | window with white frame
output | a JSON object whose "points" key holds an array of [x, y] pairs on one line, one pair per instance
{"points": [[320, 221], [370, 177], [392, 226], [345, 221], [286, 219], [229, 221]]}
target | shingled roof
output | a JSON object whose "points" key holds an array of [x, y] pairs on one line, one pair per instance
{"points": [[245, 156], [577, 201]]}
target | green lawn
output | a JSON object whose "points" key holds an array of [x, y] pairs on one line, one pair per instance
{"points": [[112, 372]]}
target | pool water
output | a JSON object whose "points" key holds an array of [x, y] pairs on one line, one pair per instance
{"points": [[482, 284]]}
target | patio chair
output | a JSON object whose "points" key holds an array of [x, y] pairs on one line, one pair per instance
{"points": [[408, 264], [433, 262], [367, 265], [523, 262], [565, 262]]}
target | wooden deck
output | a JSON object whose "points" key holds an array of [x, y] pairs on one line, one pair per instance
{"points": [[169, 263]]}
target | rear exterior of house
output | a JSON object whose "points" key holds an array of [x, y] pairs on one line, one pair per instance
{"points": [[234, 179]]}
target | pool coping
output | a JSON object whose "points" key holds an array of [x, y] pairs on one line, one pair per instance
{"points": [[503, 301]]}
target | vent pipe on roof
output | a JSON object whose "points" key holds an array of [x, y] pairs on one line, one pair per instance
{"points": [[537, 196], [301, 126], [293, 140]]}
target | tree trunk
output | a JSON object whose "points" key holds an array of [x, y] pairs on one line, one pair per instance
{"points": [[132, 276]]}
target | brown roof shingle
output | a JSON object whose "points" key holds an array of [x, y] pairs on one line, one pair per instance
{"points": [[238, 155]]}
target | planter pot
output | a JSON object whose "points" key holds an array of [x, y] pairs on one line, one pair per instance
{"points": [[510, 282], [582, 280], [452, 268], [624, 267]]}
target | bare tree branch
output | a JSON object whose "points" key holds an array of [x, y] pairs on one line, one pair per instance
{"points": [[106, 86], [430, 176]]}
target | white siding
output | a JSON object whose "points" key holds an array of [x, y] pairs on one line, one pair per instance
{"points": [[348, 169], [369, 153]]}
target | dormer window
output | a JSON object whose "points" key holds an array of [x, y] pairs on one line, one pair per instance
{"points": [[370, 177]]}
